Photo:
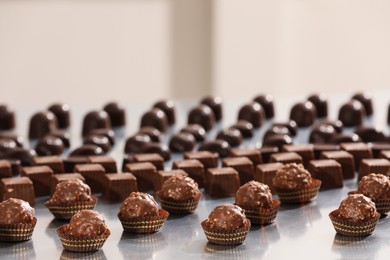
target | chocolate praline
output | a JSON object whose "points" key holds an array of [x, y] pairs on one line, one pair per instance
{"points": [[267, 102], [41, 124], [253, 113], [155, 118], [226, 216], [116, 113], [7, 118], [321, 134], [202, 115], [218, 146], [179, 188], [62, 113], [71, 191], [366, 100], [7, 144], [375, 186], [137, 205], [304, 113], [152, 132], [231, 135], [292, 176], [215, 103], [135, 142], [182, 142], [25, 156], [254, 195], [63, 135], [352, 113], [245, 127], [99, 140], [196, 130], [370, 134], [291, 125], [159, 148], [109, 133], [49, 145], [87, 150], [95, 120], [16, 211], [276, 130], [321, 103], [168, 107], [277, 140], [344, 138], [357, 208], [337, 125], [17, 138], [87, 223]]}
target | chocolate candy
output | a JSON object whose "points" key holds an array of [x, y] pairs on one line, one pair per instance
{"points": [[267, 103], [163, 176], [99, 140], [194, 168], [196, 130], [218, 146], [182, 142], [321, 134], [40, 177], [254, 195], [366, 100], [62, 113], [375, 186], [95, 120], [5, 169], [370, 134], [155, 118], [345, 159], [251, 153], [71, 191], [7, 144], [160, 149], [179, 188], [319, 148], [291, 125], [276, 130], [202, 115], [87, 223], [306, 151], [344, 138], [16, 212], [87, 149], [337, 125], [321, 103], [352, 113], [72, 161], [252, 113], [368, 166], [7, 118], [93, 174], [207, 158], [377, 148], [57, 178], [16, 138], [145, 172], [18, 188], [328, 171], [231, 135], [292, 176], [108, 163], [109, 133], [54, 162], [304, 114], [226, 216], [116, 113], [222, 182], [242, 165], [155, 158], [357, 208], [63, 135], [135, 142], [119, 186], [168, 107], [138, 205], [152, 132], [266, 172], [286, 158], [359, 151], [277, 140], [49, 145], [267, 151], [215, 103], [245, 127], [25, 156], [41, 124]]}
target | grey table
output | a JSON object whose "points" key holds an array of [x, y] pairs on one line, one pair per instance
{"points": [[299, 232]]}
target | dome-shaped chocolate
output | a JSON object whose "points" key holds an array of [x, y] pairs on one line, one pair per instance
{"points": [[304, 114]]}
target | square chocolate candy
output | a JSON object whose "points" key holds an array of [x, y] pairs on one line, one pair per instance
{"points": [[328, 171], [266, 172], [288, 157], [377, 148], [119, 186], [359, 151], [319, 148], [385, 154], [267, 151], [93, 174], [145, 172], [162, 176], [306, 151], [72, 161], [346, 161], [5, 169], [208, 159], [242, 165], [193, 167], [40, 177], [108, 163], [19, 188], [57, 178], [252, 154], [368, 166], [154, 158], [222, 182], [54, 162]]}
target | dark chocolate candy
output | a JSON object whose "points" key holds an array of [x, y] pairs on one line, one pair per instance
{"points": [[116, 113], [145, 172], [93, 174], [287, 157], [152, 132], [291, 125], [366, 100], [267, 102], [155, 118], [99, 140], [17, 138], [158, 148], [193, 167], [388, 115], [215, 103], [196, 130], [304, 113], [321, 103], [95, 120], [54, 162], [207, 158], [344, 138], [337, 125], [49, 145], [352, 113], [168, 107], [306, 151], [62, 113], [253, 113], [202, 115], [370, 134], [182, 142], [377, 148], [277, 140], [267, 151], [218, 146], [242, 165], [368, 166], [63, 135], [5, 169], [319, 148], [41, 178], [321, 134], [71, 161], [345, 159], [135, 142], [7, 144], [252, 154], [230, 135], [108, 163], [276, 130], [86, 150], [245, 127], [266, 172], [359, 151], [24, 155], [41, 124], [7, 118], [18, 188]]}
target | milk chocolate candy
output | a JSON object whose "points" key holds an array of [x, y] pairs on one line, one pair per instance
{"points": [[145, 172], [321, 103], [242, 165], [196, 130], [368, 166], [119, 186], [366, 100], [220, 147], [93, 174], [202, 115], [155, 158], [49, 145], [352, 113], [215, 103], [231, 135], [377, 148], [54, 162], [182, 142], [155, 118], [62, 113], [319, 148], [18, 188], [41, 124], [245, 127], [7, 118], [99, 140], [168, 107], [71, 161], [222, 182], [306, 151], [253, 113], [40, 177], [95, 120], [162, 176], [108, 163], [328, 171], [267, 151], [251, 153], [345, 159], [194, 168], [267, 102], [304, 114], [152, 132], [370, 134], [5, 169], [116, 113], [264, 173], [286, 158], [207, 158], [359, 151]]}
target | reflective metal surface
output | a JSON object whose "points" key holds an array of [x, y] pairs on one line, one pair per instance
{"points": [[299, 232]]}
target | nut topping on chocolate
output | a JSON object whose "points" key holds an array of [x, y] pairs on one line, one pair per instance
{"points": [[254, 194], [16, 211], [357, 208], [226, 216], [292, 176], [179, 188], [138, 204], [71, 191], [375, 186], [87, 223]]}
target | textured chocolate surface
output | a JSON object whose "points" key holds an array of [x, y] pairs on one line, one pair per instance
{"points": [[41, 178], [368, 166], [116, 113], [320, 101], [118, 186], [57, 178], [145, 172], [95, 120], [253, 113], [231, 135], [252, 154], [222, 182], [304, 114], [254, 195], [86, 223], [207, 158], [277, 140], [93, 174], [41, 124], [345, 159], [17, 187], [49, 145], [62, 113], [359, 151], [162, 176], [196, 130], [202, 115], [264, 173], [16, 211], [71, 191], [179, 188], [245, 127], [375, 186], [138, 205], [287, 157], [352, 113], [292, 176], [267, 102], [357, 208], [215, 103], [182, 142], [226, 216], [168, 107]]}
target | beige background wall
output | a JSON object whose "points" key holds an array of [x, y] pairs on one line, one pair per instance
{"points": [[134, 51]]}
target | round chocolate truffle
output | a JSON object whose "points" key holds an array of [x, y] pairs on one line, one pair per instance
{"points": [[215, 103], [7, 118], [231, 135], [375, 186], [182, 142], [245, 127], [87, 150], [218, 146], [357, 208], [321, 134], [253, 195], [226, 216], [96, 120], [70, 192], [370, 134], [41, 124], [87, 223], [196, 130], [352, 113], [137, 205], [152, 132], [267, 102], [155, 118], [304, 114], [366, 100], [292, 176], [49, 145], [321, 103], [159, 148], [62, 113], [16, 211], [169, 109], [202, 115], [179, 188], [253, 113], [135, 142], [99, 140], [116, 113]]}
